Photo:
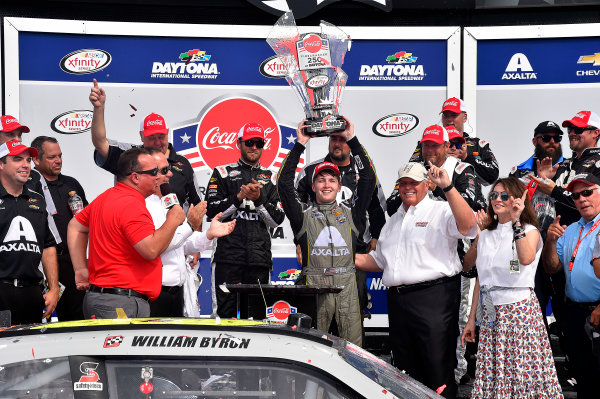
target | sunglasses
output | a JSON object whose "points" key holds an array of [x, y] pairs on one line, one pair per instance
{"points": [[585, 193], [457, 144], [579, 130], [251, 143], [503, 196], [165, 170], [547, 137], [151, 172]]}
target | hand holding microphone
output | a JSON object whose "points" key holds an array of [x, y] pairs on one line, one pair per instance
{"points": [[171, 203]]}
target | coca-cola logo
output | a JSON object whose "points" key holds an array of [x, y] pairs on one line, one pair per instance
{"points": [[312, 43], [453, 103], [223, 121], [8, 120], [273, 68]]}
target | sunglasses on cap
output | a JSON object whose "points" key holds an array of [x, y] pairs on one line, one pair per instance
{"points": [[547, 137], [165, 170], [151, 172], [253, 142], [585, 193], [579, 130], [503, 196], [457, 144]]}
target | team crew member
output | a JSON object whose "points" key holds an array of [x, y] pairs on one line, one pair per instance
{"points": [[477, 152], [11, 129], [435, 145], [243, 191], [153, 133], [572, 249], [417, 253], [124, 267], [25, 240], [58, 189], [187, 240], [328, 233], [583, 130]]}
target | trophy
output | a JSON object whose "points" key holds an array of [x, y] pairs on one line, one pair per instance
{"points": [[313, 64]]}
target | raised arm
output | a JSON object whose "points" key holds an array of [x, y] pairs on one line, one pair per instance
{"points": [[98, 98]]}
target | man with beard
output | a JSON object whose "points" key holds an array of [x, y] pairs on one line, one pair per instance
{"points": [[546, 139]]}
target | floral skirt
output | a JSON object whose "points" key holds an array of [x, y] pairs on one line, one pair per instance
{"points": [[514, 358]]}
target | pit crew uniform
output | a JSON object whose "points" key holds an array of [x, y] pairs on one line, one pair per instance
{"points": [[24, 234], [479, 155], [328, 235], [183, 182], [244, 255]]}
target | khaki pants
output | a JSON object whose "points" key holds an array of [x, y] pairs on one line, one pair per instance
{"points": [[344, 305]]}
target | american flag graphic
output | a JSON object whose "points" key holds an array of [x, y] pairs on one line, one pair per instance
{"points": [[185, 143]]}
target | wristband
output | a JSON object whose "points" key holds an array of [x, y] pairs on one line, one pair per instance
{"points": [[450, 187], [519, 236]]}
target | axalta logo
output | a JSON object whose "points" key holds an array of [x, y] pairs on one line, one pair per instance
{"points": [[401, 66], [401, 57], [519, 68], [395, 125], [280, 311], [72, 122], [589, 59], [85, 61], [194, 65], [273, 68]]}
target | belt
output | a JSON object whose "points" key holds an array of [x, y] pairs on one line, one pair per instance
{"points": [[118, 291], [583, 305], [16, 282], [404, 288], [171, 289]]}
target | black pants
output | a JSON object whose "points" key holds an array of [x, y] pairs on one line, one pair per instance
{"points": [[229, 273], [26, 304], [582, 360], [169, 303], [70, 305], [423, 332]]}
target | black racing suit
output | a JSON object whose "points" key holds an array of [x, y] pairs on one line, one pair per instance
{"points": [[244, 255], [327, 235], [479, 155]]}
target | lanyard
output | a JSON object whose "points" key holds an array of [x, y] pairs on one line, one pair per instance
{"points": [[579, 239]]}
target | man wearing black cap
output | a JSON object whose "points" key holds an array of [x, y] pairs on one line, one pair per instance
{"points": [[328, 232], [25, 240], [572, 249], [546, 140]]}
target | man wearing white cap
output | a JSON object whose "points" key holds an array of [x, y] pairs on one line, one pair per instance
{"points": [[11, 129], [153, 133], [244, 192], [418, 256], [583, 130], [25, 240]]}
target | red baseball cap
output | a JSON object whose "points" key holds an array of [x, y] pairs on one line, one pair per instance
{"points": [[454, 104], [15, 147], [252, 131], [454, 134], [154, 124], [326, 166], [583, 119], [435, 133], [9, 123]]}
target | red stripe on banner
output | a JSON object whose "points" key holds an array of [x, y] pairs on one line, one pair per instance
{"points": [[277, 164], [282, 154], [192, 155], [197, 164]]}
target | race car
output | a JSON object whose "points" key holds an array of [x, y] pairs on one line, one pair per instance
{"points": [[192, 358]]}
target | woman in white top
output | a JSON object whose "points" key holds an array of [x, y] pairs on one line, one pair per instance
{"points": [[514, 358]]}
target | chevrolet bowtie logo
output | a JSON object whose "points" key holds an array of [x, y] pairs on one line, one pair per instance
{"points": [[589, 59]]}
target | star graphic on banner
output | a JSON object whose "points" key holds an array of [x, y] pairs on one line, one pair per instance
{"points": [[291, 139], [185, 138]]}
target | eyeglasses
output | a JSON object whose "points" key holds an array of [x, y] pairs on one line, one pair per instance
{"points": [[585, 193], [579, 130], [503, 196], [151, 172], [258, 143], [165, 170], [457, 144], [547, 137]]}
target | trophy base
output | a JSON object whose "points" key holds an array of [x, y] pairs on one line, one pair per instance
{"points": [[323, 127]]}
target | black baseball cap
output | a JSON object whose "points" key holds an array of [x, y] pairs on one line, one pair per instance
{"points": [[546, 127]]}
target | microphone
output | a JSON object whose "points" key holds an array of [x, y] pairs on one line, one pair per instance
{"points": [[169, 198]]}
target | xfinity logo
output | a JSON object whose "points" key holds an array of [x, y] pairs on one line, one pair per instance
{"points": [[85, 61], [273, 68], [519, 68], [72, 122]]}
